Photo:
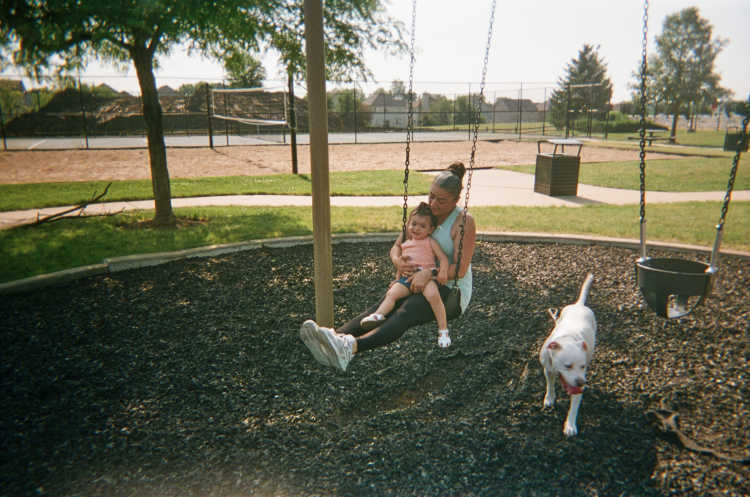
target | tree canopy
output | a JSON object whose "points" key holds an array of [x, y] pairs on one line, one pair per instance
{"points": [[67, 33], [681, 73], [584, 88]]}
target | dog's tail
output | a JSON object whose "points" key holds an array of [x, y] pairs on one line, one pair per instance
{"points": [[585, 289]]}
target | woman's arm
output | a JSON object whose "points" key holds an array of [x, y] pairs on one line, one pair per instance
{"points": [[443, 260], [467, 253], [400, 262]]}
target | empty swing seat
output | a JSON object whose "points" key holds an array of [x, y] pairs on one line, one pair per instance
{"points": [[673, 287]]}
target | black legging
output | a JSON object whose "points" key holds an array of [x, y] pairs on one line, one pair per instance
{"points": [[408, 312]]}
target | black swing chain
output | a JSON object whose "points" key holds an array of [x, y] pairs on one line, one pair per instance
{"points": [[733, 173], [644, 74], [410, 118], [477, 113]]}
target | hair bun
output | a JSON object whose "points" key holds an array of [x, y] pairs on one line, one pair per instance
{"points": [[458, 169]]}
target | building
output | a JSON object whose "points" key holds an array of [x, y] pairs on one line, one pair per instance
{"points": [[387, 110]]}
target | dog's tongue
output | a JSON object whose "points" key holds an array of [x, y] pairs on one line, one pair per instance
{"points": [[570, 388]]}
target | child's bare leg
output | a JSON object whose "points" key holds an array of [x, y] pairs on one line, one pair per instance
{"points": [[432, 294], [394, 294]]}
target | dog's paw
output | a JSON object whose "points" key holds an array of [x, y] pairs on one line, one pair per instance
{"points": [[549, 400], [570, 430]]}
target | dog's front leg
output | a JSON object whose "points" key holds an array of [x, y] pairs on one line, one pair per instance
{"points": [[570, 428], [549, 396]]}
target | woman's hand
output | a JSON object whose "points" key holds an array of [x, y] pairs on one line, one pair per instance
{"points": [[442, 276], [419, 280], [404, 266]]}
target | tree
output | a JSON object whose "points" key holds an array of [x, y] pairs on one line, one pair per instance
{"points": [[681, 73], [244, 70], [584, 89], [135, 31], [350, 27], [398, 88], [11, 99], [739, 107], [441, 110], [342, 103]]}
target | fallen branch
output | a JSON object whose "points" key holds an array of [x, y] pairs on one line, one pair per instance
{"points": [[668, 424], [80, 207]]}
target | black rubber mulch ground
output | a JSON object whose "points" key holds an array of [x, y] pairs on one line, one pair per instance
{"points": [[189, 379]]}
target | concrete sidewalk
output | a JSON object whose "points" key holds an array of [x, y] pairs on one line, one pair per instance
{"points": [[489, 187]]}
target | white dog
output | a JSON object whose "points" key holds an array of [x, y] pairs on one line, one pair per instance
{"points": [[567, 353]]}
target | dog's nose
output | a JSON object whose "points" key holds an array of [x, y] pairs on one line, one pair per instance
{"points": [[580, 382]]}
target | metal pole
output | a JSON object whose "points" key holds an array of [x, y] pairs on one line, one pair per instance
{"points": [[520, 111], [2, 128], [321, 201], [544, 111], [354, 97], [226, 113], [494, 105], [83, 111], [468, 126], [208, 115], [567, 114]]}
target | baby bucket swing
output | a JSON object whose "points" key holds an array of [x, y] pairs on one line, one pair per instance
{"points": [[674, 287], [453, 302]]}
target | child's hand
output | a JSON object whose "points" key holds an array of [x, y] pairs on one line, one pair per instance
{"points": [[442, 276]]}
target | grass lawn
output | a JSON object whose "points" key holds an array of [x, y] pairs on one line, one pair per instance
{"points": [[360, 183], [700, 138], [668, 175], [78, 242]]}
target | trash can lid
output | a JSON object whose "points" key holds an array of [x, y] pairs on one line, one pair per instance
{"points": [[560, 142]]}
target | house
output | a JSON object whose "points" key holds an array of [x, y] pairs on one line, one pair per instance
{"points": [[12, 85], [387, 110], [167, 91], [507, 110]]}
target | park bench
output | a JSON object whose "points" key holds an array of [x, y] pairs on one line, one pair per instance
{"points": [[654, 135]]}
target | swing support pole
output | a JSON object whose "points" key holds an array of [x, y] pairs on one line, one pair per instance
{"points": [[321, 201]]}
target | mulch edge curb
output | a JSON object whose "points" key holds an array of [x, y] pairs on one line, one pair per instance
{"points": [[115, 264]]}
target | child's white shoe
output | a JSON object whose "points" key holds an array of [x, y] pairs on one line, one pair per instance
{"points": [[372, 321], [444, 340]]}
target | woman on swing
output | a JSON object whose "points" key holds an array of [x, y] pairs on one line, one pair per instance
{"points": [[336, 348]]}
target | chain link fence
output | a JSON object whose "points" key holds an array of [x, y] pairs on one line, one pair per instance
{"points": [[357, 109]]}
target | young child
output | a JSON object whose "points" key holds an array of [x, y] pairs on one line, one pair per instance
{"points": [[422, 250]]}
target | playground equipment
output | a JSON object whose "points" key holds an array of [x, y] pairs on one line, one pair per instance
{"points": [[452, 304], [674, 287]]}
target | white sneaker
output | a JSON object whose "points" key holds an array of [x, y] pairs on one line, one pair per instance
{"points": [[308, 332], [444, 340], [339, 348]]}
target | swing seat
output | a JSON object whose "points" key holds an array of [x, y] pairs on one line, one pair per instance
{"points": [[673, 287]]}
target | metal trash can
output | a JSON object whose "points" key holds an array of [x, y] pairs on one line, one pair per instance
{"points": [[556, 174]]}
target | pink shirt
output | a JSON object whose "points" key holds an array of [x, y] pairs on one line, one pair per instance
{"points": [[420, 252]]}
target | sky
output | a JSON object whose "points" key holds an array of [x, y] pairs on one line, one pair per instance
{"points": [[533, 41]]}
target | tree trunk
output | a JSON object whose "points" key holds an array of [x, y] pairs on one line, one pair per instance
{"points": [[675, 117], [144, 68]]}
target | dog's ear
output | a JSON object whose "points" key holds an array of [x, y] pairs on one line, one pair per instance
{"points": [[553, 346]]}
